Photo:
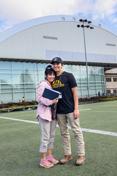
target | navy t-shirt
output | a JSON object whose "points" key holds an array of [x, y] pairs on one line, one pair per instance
{"points": [[64, 84]]}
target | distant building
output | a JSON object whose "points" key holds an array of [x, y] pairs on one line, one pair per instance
{"points": [[111, 81], [27, 48]]}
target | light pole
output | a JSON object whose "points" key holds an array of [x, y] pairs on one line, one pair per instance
{"points": [[84, 23]]}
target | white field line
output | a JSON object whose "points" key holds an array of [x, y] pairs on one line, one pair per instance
{"points": [[88, 109], [104, 111], [19, 120], [108, 133]]}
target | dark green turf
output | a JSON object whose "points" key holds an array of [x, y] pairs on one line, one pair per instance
{"points": [[19, 143]]}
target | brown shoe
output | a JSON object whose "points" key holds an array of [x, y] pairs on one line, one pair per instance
{"points": [[80, 161], [66, 159]]}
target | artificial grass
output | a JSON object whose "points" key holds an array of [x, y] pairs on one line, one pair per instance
{"points": [[19, 143]]}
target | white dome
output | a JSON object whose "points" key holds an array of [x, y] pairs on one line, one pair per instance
{"points": [[47, 37]]}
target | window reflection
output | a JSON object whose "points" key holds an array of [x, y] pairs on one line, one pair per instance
{"points": [[19, 79]]}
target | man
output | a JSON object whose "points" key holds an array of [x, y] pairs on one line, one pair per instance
{"points": [[68, 111]]}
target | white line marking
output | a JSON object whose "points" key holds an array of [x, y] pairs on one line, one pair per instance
{"points": [[109, 133], [104, 111], [19, 120], [88, 109]]}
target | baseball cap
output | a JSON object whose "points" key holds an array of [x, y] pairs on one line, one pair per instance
{"points": [[49, 70], [57, 60]]}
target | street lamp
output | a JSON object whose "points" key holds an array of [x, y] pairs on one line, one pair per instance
{"points": [[84, 23]]}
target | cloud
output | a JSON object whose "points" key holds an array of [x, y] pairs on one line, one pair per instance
{"points": [[106, 8], [25, 9], [16, 11], [99, 12], [98, 9]]}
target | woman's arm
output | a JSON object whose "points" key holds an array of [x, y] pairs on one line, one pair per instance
{"points": [[40, 98]]}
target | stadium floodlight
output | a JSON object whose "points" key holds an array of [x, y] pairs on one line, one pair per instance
{"points": [[84, 23]]}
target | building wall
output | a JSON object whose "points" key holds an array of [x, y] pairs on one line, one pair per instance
{"points": [[40, 40], [19, 79], [111, 81]]}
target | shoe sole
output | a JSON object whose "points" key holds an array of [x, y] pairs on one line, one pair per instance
{"points": [[56, 163], [80, 164], [65, 161], [46, 167]]}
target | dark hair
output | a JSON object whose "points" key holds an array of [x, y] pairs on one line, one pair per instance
{"points": [[49, 70]]}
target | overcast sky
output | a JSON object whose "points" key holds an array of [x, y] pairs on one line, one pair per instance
{"points": [[102, 12]]}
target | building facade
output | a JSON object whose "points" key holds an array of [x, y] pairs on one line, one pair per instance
{"points": [[26, 49], [111, 81]]}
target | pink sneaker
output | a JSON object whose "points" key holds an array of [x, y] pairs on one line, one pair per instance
{"points": [[52, 159], [45, 163]]}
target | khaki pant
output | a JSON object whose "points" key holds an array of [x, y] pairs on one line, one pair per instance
{"points": [[47, 134], [63, 120]]}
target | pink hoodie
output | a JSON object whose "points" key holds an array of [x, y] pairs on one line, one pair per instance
{"points": [[43, 109]]}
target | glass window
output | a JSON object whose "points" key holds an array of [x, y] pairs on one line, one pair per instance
{"points": [[17, 96], [115, 79], [5, 65], [17, 72], [92, 78], [5, 79], [29, 96], [6, 97], [5, 71], [18, 66], [108, 79], [19, 79], [98, 78], [30, 66], [108, 91], [41, 67], [115, 92]]}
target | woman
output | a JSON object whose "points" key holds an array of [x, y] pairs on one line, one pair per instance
{"points": [[47, 125]]}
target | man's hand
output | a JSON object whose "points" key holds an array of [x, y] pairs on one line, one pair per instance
{"points": [[55, 101], [76, 113]]}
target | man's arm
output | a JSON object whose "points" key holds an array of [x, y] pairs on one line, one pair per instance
{"points": [[76, 107]]}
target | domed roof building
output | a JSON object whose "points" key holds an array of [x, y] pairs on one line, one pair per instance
{"points": [[26, 49]]}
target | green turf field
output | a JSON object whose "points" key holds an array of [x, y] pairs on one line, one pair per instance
{"points": [[19, 143]]}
